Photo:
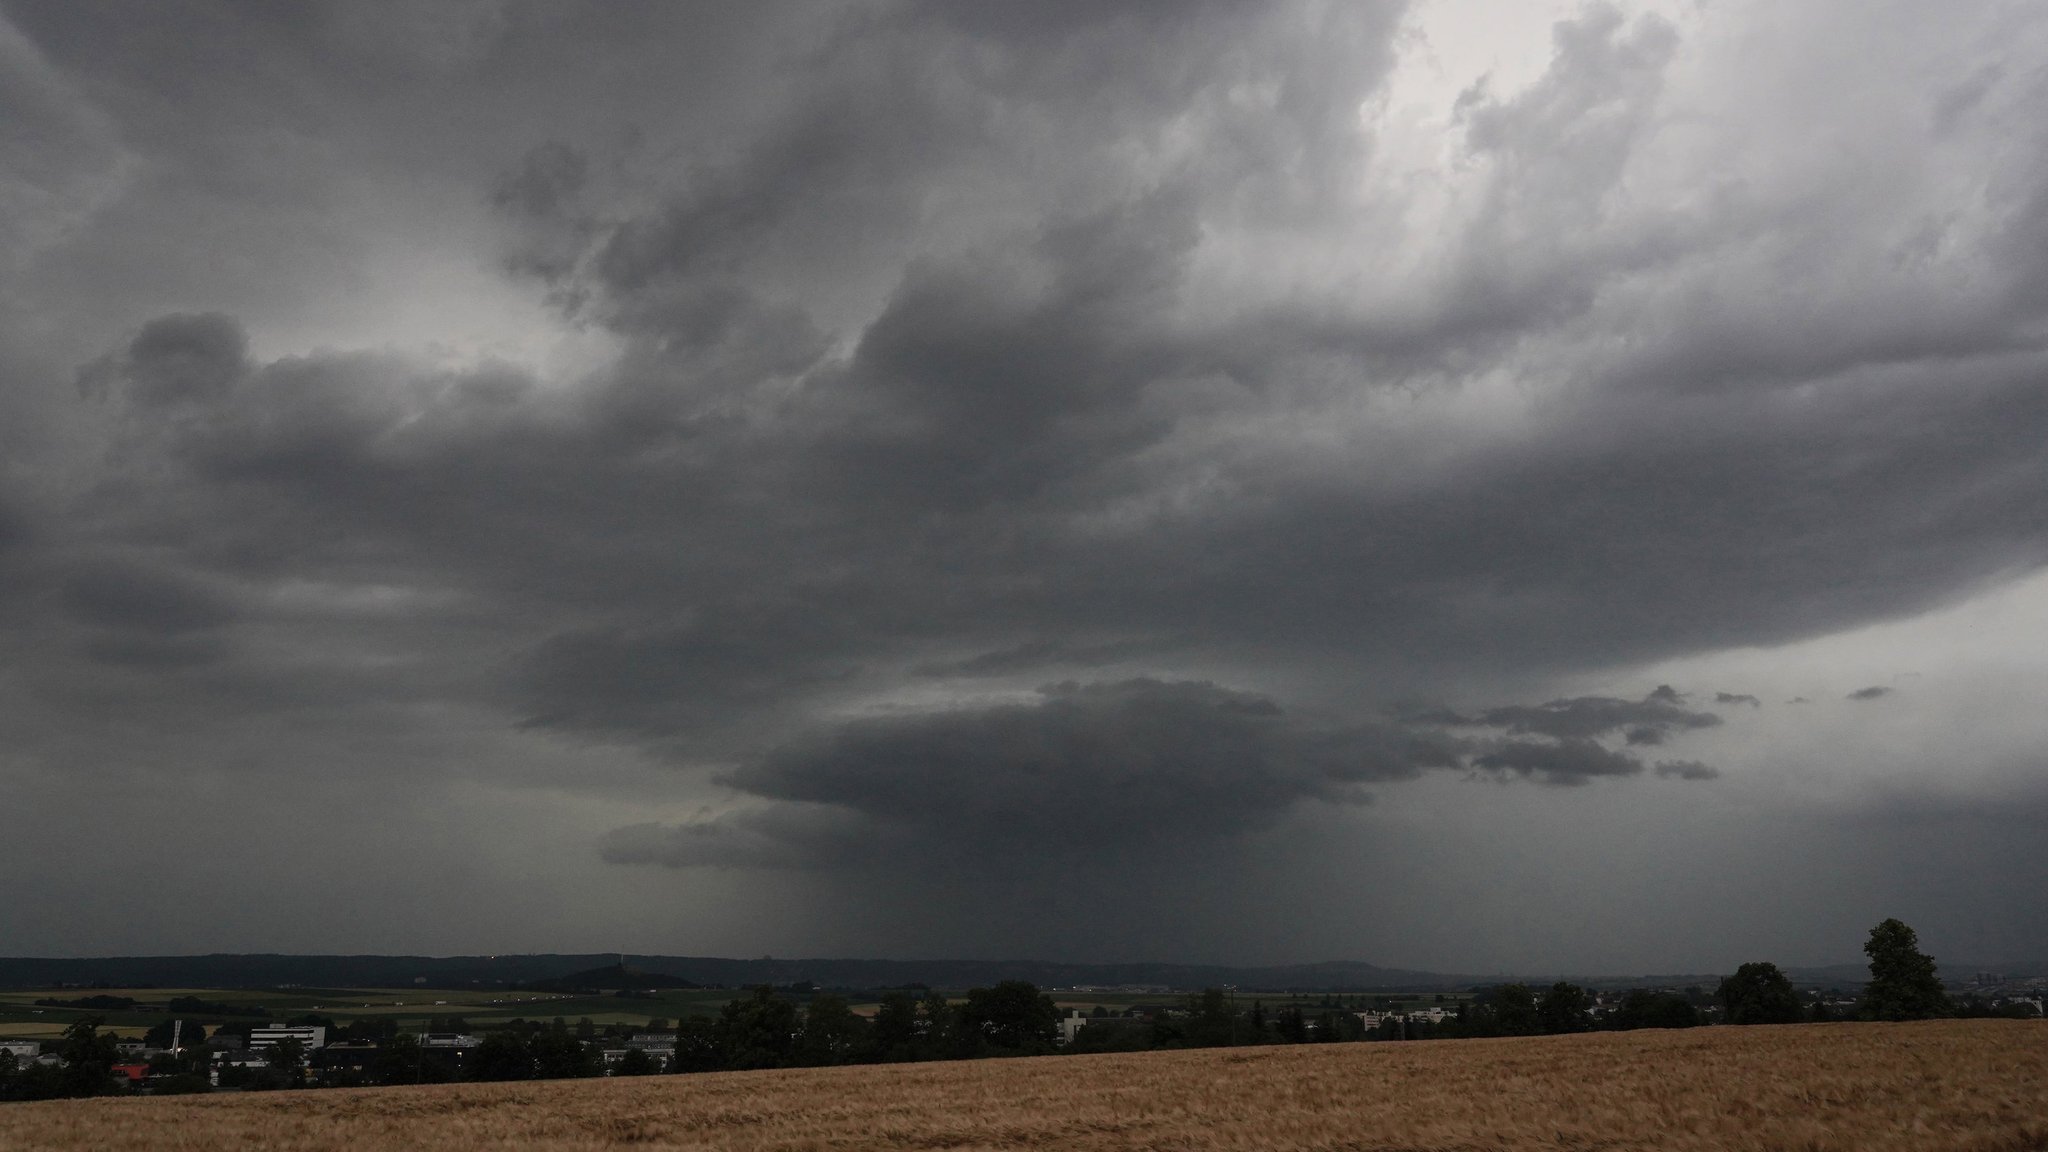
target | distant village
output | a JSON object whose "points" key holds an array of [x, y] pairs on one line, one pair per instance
{"points": [[181, 1055], [200, 1045]]}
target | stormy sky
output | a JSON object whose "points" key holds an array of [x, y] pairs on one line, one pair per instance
{"points": [[1471, 484]]}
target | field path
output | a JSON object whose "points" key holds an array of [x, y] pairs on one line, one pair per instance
{"points": [[1946, 1086]]}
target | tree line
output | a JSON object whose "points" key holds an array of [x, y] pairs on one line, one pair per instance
{"points": [[768, 1028]]}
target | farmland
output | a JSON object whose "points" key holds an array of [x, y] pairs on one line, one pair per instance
{"points": [[21, 1016], [1938, 1086], [412, 1008]]}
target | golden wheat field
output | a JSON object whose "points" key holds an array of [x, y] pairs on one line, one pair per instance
{"points": [[1930, 1087]]}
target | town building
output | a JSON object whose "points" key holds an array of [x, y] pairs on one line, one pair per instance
{"points": [[310, 1037], [450, 1040], [345, 1062], [1071, 1025]]}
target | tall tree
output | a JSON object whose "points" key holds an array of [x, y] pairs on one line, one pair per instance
{"points": [[559, 1056], [89, 1056], [1514, 1010], [895, 1027], [832, 1034], [758, 1031], [1903, 980], [697, 1046], [1293, 1025], [939, 1031], [1212, 1020], [1565, 1008], [1014, 1016], [1759, 994], [401, 1060], [502, 1056]]}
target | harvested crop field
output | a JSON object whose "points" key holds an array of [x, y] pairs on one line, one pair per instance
{"points": [[1930, 1087]]}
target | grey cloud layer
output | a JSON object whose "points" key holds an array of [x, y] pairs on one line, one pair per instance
{"points": [[957, 349], [1111, 767], [1041, 445]]}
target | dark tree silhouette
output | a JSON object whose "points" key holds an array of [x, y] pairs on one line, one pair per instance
{"points": [[1213, 1021], [1013, 1016], [832, 1034], [557, 1055], [502, 1056], [757, 1032], [1565, 1008], [697, 1046], [1642, 1008], [1514, 1010], [1903, 980], [1759, 994], [894, 1034]]}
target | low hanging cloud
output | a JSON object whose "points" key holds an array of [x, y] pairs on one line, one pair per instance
{"points": [[1572, 761], [1874, 692], [1110, 767], [1646, 720], [1688, 770]]}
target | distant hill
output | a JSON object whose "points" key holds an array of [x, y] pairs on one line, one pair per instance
{"points": [[269, 970], [1841, 975], [610, 978]]}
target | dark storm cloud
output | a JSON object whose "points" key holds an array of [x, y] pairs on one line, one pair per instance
{"points": [[1873, 692], [14, 529], [130, 596], [1569, 761], [1087, 764], [1647, 719], [1687, 770], [1034, 654], [948, 350], [751, 521], [177, 360], [737, 523], [1105, 767]]}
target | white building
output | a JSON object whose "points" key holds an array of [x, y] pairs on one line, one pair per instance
{"points": [[450, 1040], [1071, 1026], [309, 1036], [24, 1050]]}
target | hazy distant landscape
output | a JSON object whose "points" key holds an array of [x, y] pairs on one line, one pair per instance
{"points": [[270, 971], [617, 1020]]}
